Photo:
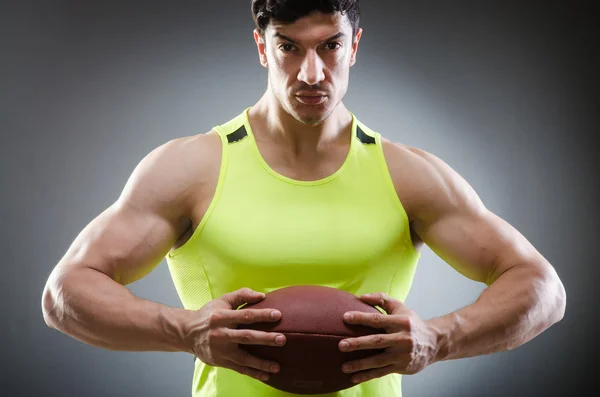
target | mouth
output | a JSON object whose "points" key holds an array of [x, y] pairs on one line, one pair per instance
{"points": [[311, 99]]}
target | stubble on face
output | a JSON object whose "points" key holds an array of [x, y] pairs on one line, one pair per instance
{"points": [[285, 67]]}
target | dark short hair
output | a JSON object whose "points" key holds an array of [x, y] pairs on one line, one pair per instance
{"points": [[288, 11]]}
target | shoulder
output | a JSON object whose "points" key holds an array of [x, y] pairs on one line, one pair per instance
{"points": [[203, 145], [403, 159], [427, 185], [174, 172]]}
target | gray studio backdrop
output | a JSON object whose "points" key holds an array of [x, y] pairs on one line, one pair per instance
{"points": [[499, 90]]}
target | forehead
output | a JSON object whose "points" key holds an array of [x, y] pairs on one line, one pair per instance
{"points": [[316, 26]]}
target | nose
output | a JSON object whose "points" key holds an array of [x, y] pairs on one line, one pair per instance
{"points": [[311, 71]]}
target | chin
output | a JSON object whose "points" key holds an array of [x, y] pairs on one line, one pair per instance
{"points": [[311, 114], [311, 117]]}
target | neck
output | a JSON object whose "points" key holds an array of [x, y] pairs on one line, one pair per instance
{"points": [[276, 125]]}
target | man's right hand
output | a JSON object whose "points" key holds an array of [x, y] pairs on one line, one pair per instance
{"points": [[216, 340]]}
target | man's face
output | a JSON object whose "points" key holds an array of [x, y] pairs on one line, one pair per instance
{"points": [[309, 63]]}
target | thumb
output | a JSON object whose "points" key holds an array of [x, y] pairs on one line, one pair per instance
{"points": [[390, 305], [241, 296]]}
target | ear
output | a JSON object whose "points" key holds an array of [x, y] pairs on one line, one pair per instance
{"points": [[355, 46], [262, 48]]}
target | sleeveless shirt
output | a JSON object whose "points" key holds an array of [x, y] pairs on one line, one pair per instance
{"points": [[265, 231]]}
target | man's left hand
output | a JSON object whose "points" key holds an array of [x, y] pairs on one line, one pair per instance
{"points": [[410, 343]]}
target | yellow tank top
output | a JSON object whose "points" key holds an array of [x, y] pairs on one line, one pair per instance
{"points": [[265, 231]]}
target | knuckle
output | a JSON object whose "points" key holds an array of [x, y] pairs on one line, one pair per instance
{"points": [[247, 315], [378, 340], [246, 336], [265, 366], [367, 363], [412, 343], [214, 318], [245, 291], [381, 297], [376, 318], [410, 324], [359, 365], [213, 335], [398, 339]]}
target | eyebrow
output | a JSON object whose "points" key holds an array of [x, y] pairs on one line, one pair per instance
{"points": [[335, 36]]}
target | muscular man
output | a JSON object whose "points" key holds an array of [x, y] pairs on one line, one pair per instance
{"points": [[296, 190]]}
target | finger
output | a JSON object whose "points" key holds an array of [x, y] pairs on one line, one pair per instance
{"points": [[378, 341], [253, 373], [248, 316], [376, 361], [241, 296], [246, 359], [376, 320], [252, 337], [373, 373], [390, 305]]}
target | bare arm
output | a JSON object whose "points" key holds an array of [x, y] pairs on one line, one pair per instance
{"points": [[524, 294], [85, 296]]}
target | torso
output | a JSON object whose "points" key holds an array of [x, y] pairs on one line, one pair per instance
{"points": [[399, 159]]}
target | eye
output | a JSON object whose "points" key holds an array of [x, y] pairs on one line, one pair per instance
{"points": [[333, 46], [286, 47]]}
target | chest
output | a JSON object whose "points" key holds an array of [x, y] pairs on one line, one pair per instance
{"points": [[303, 226]]}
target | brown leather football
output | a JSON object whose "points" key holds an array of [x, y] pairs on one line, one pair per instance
{"points": [[312, 322]]}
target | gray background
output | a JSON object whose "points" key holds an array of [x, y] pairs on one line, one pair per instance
{"points": [[502, 91]]}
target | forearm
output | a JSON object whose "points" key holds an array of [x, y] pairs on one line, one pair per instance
{"points": [[91, 307], [514, 309]]}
